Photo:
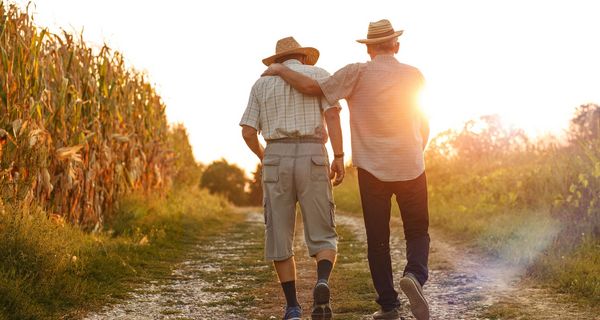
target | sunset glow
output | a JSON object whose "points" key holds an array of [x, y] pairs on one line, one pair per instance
{"points": [[530, 62]]}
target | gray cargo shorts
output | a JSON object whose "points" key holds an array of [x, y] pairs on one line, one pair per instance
{"points": [[297, 172]]}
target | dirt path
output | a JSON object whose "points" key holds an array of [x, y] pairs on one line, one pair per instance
{"points": [[194, 290], [226, 278], [463, 284]]}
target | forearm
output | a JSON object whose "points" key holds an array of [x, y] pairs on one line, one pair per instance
{"points": [[334, 127], [300, 82], [255, 146], [251, 139]]}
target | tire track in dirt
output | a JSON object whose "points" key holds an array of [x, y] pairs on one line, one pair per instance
{"points": [[463, 284]]}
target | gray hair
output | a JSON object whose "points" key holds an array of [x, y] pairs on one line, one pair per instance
{"points": [[386, 46]]}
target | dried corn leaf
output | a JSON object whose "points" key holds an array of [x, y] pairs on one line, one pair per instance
{"points": [[16, 126], [46, 181], [120, 137], [67, 152]]}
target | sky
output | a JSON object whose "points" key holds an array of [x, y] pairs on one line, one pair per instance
{"points": [[531, 62]]}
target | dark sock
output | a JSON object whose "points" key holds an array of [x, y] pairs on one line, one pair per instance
{"points": [[324, 269], [289, 289]]}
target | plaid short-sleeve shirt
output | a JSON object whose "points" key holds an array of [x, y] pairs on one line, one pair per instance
{"points": [[278, 111], [385, 117]]}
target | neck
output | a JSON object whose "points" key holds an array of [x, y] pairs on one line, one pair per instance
{"points": [[298, 57], [375, 54]]}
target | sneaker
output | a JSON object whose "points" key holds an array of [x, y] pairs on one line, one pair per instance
{"points": [[393, 314], [321, 307], [413, 291], [293, 313], [321, 312]]}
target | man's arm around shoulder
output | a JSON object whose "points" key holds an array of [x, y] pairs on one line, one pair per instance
{"points": [[297, 80]]}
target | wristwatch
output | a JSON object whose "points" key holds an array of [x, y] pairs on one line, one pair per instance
{"points": [[341, 155]]}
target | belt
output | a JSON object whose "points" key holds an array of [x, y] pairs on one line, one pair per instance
{"points": [[296, 140]]}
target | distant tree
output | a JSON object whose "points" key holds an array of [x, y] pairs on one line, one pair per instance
{"points": [[585, 124], [255, 194], [441, 147], [226, 179], [187, 170], [484, 137]]}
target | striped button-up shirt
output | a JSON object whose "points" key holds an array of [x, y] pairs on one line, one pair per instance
{"points": [[278, 111], [385, 119]]}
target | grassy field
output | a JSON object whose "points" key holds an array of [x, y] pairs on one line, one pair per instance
{"points": [[51, 269], [533, 208]]}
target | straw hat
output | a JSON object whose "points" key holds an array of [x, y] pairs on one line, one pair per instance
{"points": [[289, 45], [379, 32]]}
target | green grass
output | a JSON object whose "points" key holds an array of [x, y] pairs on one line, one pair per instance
{"points": [[49, 270], [574, 271], [354, 295]]}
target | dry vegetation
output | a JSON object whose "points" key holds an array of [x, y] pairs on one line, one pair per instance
{"points": [[97, 192], [78, 129]]}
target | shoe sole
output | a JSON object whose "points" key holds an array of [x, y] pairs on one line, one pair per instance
{"points": [[321, 309], [390, 317], [321, 312], [418, 304]]}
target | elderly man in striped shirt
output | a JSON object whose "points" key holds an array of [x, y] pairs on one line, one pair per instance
{"points": [[389, 134], [295, 170]]}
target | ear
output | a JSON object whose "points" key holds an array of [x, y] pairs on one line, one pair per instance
{"points": [[397, 47]]}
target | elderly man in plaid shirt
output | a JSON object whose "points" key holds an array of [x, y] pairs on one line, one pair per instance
{"points": [[296, 170]]}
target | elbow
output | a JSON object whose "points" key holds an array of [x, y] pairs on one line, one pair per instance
{"points": [[315, 89], [311, 88], [248, 133]]}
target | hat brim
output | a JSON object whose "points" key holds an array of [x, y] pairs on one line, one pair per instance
{"points": [[382, 39], [312, 55]]}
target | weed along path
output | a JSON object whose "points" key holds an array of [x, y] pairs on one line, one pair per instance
{"points": [[225, 277]]}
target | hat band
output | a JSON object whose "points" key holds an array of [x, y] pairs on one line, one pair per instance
{"points": [[284, 50], [380, 35]]}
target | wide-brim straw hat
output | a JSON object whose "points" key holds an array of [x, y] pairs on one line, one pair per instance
{"points": [[289, 45], [380, 31]]}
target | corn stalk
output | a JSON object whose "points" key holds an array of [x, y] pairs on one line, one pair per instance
{"points": [[78, 129]]}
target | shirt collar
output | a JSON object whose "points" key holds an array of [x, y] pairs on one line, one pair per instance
{"points": [[291, 61]]}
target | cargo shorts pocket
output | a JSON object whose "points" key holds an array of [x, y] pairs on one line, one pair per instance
{"points": [[319, 168], [271, 169]]}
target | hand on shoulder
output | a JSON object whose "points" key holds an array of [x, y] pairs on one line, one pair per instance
{"points": [[273, 70]]}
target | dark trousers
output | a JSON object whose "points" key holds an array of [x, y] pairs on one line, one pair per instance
{"points": [[411, 197]]}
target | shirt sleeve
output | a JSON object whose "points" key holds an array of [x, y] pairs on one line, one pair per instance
{"points": [[252, 114], [341, 84], [325, 105]]}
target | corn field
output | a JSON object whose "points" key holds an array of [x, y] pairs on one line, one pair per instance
{"points": [[78, 129]]}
